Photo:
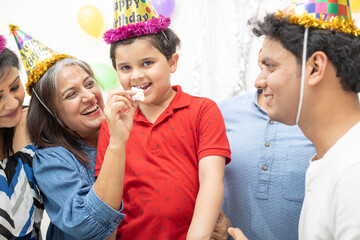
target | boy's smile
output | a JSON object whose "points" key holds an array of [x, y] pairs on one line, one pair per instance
{"points": [[143, 66]]}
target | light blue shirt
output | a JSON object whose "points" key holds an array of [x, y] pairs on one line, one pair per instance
{"points": [[265, 182], [75, 211]]}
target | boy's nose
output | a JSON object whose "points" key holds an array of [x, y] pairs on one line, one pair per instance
{"points": [[137, 75]]}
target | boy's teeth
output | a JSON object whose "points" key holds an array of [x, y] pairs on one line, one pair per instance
{"points": [[143, 86]]}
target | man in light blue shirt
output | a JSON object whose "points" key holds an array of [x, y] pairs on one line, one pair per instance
{"points": [[265, 182]]}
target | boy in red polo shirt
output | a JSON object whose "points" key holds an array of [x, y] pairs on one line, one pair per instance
{"points": [[177, 149]]}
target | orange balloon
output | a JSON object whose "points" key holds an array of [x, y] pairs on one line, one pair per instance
{"points": [[355, 5], [91, 20]]}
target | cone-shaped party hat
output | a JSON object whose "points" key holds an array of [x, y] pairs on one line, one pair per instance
{"points": [[323, 14], [37, 58], [135, 18], [2, 43]]}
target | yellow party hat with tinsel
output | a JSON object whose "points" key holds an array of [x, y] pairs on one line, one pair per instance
{"points": [[37, 58], [135, 18], [322, 14]]}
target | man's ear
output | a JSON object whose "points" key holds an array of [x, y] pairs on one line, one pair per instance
{"points": [[318, 63], [173, 62]]}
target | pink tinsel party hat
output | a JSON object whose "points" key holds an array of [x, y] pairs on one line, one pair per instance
{"points": [[2, 43], [37, 58], [323, 14], [135, 18]]}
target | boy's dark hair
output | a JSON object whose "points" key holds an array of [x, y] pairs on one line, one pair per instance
{"points": [[166, 42], [8, 59], [342, 49], [45, 129]]}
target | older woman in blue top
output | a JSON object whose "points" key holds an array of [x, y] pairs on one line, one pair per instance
{"points": [[64, 119], [21, 206]]}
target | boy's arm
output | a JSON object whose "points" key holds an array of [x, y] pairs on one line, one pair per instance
{"points": [[209, 198]]}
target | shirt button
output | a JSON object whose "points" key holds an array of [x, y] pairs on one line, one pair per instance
{"points": [[267, 144], [264, 167], [271, 122]]}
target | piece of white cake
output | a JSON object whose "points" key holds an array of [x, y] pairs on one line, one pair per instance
{"points": [[139, 96]]}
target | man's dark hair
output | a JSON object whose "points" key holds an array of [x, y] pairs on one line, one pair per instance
{"points": [[342, 49]]}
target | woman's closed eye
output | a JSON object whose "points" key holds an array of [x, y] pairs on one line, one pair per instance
{"points": [[71, 95], [15, 88]]}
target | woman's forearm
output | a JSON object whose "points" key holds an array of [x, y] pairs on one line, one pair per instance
{"points": [[110, 182]]}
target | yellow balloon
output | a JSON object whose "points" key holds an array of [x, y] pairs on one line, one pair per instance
{"points": [[355, 5], [90, 20]]}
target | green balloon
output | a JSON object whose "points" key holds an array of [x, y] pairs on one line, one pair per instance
{"points": [[105, 75]]}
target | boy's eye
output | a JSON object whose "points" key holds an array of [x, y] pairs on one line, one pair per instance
{"points": [[125, 68], [147, 63]]}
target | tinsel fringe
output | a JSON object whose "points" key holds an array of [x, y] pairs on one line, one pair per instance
{"points": [[40, 68], [2, 43], [333, 23], [148, 27]]}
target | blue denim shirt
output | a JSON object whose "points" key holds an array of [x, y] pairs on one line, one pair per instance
{"points": [[265, 182], [75, 211]]}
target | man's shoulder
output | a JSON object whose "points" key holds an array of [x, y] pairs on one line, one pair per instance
{"points": [[236, 101]]}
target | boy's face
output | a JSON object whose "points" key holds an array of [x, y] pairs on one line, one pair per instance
{"points": [[282, 75], [141, 65]]}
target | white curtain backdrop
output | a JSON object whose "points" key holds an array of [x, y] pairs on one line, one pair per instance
{"points": [[218, 57], [218, 52]]}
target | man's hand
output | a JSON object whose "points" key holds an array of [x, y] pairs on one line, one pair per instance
{"points": [[222, 224]]}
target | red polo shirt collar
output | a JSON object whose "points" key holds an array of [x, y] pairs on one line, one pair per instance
{"points": [[180, 100]]}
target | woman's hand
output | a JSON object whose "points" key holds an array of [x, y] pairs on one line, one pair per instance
{"points": [[119, 112]]}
